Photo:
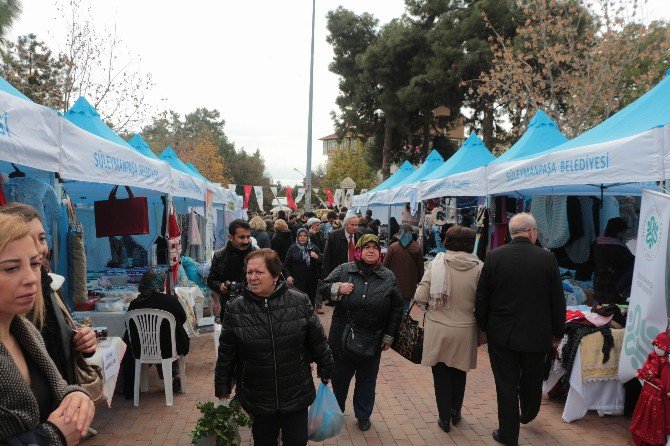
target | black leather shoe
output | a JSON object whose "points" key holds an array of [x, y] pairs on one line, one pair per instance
{"points": [[444, 425], [525, 419], [364, 425], [496, 436], [455, 417]]}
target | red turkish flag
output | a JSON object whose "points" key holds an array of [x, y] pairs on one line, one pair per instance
{"points": [[289, 199], [329, 194], [247, 194]]}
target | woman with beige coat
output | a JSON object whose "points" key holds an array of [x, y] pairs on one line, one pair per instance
{"points": [[451, 337]]}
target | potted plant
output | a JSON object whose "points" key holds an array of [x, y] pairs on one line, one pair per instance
{"points": [[218, 425]]}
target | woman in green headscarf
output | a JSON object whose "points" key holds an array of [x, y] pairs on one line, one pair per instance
{"points": [[367, 305]]}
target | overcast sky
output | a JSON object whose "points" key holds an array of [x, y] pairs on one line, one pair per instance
{"points": [[247, 58]]}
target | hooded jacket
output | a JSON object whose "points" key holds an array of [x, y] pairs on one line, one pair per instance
{"points": [[267, 345]]}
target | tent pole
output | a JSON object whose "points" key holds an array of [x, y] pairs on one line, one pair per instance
{"points": [[489, 201], [168, 204]]}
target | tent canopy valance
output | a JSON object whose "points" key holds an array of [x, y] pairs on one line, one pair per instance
{"points": [[629, 147], [378, 193], [404, 191]]}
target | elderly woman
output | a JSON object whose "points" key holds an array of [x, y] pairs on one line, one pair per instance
{"points": [[451, 337], [302, 265], [38, 406], [270, 337], [56, 332], [368, 309], [258, 231], [152, 296], [283, 239], [612, 260]]}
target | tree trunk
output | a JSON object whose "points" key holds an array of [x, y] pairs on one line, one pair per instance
{"points": [[426, 137], [487, 124], [386, 151]]}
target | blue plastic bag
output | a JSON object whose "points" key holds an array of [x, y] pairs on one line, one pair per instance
{"points": [[324, 419]]}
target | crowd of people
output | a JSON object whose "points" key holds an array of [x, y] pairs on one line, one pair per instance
{"points": [[271, 335], [269, 285]]}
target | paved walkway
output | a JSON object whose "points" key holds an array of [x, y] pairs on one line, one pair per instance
{"points": [[405, 412]]}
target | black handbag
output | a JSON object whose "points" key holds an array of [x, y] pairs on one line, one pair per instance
{"points": [[359, 344]]}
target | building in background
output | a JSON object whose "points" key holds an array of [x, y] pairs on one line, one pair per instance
{"points": [[332, 143]]}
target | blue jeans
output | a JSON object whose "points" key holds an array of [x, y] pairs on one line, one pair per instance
{"points": [[366, 383]]}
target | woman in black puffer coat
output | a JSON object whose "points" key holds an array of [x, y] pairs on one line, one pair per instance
{"points": [[270, 337], [366, 293]]}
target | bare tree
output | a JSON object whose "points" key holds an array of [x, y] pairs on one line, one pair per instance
{"points": [[579, 61], [100, 67]]}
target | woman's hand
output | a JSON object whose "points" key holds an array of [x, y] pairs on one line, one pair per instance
{"points": [[69, 430], [85, 341], [290, 280], [76, 409], [313, 255], [346, 288]]}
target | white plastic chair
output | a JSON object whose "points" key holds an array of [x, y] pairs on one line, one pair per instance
{"points": [[148, 324]]}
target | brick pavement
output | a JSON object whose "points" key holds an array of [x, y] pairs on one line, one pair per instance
{"points": [[405, 411]]}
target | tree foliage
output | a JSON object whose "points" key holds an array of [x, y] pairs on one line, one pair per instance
{"points": [[579, 66], [203, 152], [349, 162], [10, 10], [204, 128], [100, 67], [30, 66]]}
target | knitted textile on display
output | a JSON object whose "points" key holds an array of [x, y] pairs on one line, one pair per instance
{"points": [[551, 214], [39, 195]]}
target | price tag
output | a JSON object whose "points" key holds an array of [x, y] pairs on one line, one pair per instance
{"points": [[110, 362]]}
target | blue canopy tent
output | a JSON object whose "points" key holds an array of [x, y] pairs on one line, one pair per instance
{"points": [[29, 135], [374, 195], [138, 143], [463, 174], [541, 134], [402, 192], [83, 115], [622, 155]]}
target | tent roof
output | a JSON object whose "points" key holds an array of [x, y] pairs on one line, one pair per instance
{"points": [[138, 143], [170, 157], [647, 112], [195, 171], [403, 172], [472, 154], [83, 115], [432, 163], [9, 88], [541, 134]]}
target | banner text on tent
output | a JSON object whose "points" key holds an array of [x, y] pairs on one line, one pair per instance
{"points": [[579, 164], [109, 162]]}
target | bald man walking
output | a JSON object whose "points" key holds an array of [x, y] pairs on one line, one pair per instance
{"points": [[521, 308]]}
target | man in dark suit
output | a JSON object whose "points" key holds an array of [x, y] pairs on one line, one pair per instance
{"points": [[521, 307], [340, 245]]}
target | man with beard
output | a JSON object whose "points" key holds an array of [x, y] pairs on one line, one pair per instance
{"points": [[228, 264]]}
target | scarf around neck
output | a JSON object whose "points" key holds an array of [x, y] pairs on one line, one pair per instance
{"points": [[305, 248], [440, 283]]}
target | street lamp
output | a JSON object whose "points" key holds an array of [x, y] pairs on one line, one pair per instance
{"points": [[308, 178]]}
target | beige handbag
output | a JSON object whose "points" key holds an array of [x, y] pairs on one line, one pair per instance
{"points": [[88, 376]]}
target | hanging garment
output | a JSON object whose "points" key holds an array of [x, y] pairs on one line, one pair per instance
{"points": [[551, 214], [579, 249], [194, 230], [39, 195]]}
